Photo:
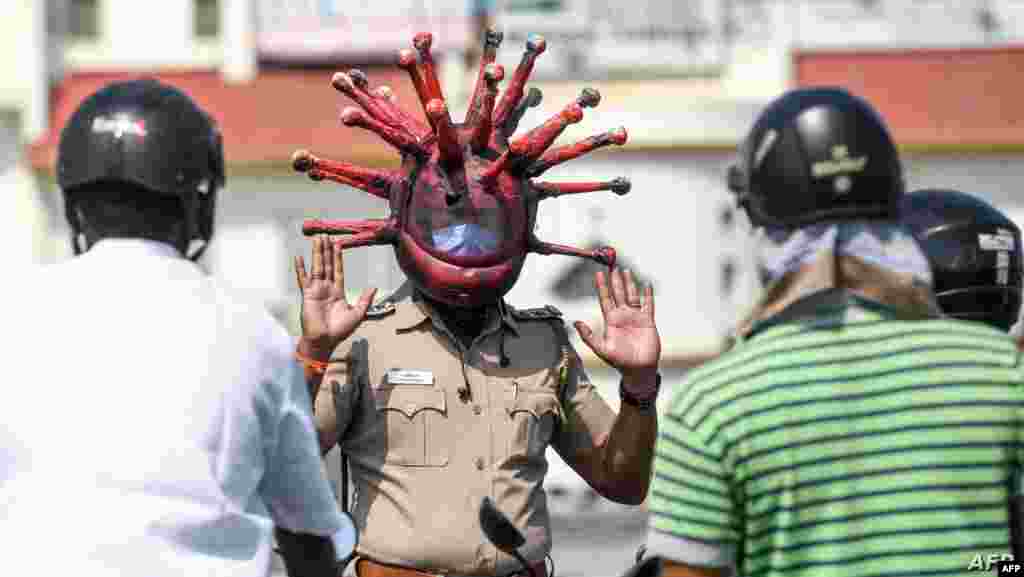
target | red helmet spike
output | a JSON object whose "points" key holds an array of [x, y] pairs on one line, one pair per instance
{"points": [[373, 181], [532, 100], [505, 162], [401, 119], [483, 127], [385, 93], [366, 239], [604, 255], [347, 84], [461, 218], [400, 139], [489, 174], [317, 226], [492, 40], [535, 46], [369, 232], [589, 98], [407, 61], [359, 79], [535, 142], [619, 186], [557, 156], [447, 140], [379, 109], [422, 43]]}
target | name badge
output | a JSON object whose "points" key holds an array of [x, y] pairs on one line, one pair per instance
{"points": [[405, 377]]}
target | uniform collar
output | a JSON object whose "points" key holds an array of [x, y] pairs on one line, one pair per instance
{"points": [[134, 246], [416, 311]]}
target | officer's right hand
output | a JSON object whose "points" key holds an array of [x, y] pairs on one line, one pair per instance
{"points": [[327, 316]]}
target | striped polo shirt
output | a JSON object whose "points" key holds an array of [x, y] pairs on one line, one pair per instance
{"points": [[840, 440]]}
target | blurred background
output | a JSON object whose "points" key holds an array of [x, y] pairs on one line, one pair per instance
{"points": [[685, 77]]}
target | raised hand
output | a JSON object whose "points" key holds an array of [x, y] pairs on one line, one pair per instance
{"points": [[630, 342], [327, 316]]}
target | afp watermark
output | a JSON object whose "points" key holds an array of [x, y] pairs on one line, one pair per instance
{"points": [[1001, 563]]}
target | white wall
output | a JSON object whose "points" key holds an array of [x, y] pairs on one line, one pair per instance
{"points": [[142, 36]]}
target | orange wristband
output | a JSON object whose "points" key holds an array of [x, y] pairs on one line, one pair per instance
{"points": [[319, 367]]}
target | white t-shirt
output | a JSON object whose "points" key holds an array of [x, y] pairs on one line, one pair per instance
{"points": [[152, 424]]}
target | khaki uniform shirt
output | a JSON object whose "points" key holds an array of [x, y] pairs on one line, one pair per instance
{"points": [[423, 456]]}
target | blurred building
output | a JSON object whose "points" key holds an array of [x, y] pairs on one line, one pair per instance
{"points": [[685, 77]]}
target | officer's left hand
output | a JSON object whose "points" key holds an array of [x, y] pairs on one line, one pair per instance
{"points": [[630, 342], [327, 317]]}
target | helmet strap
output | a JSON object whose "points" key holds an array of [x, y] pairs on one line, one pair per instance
{"points": [[75, 225], [76, 244]]}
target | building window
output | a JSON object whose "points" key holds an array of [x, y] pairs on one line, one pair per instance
{"points": [[206, 18], [83, 19]]}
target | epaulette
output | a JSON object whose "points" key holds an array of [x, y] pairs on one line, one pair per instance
{"points": [[541, 313], [380, 309]]}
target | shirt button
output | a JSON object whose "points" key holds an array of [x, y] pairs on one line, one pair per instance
{"points": [[477, 409], [479, 464]]}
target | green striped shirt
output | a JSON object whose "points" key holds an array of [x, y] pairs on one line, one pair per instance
{"points": [[850, 443]]}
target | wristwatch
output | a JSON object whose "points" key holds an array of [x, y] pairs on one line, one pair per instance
{"points": [[644, 405]]}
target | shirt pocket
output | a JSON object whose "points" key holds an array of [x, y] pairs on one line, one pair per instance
{"points": [[415, 420], [533, 409]]}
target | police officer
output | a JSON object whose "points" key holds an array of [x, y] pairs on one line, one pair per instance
{"points": [[974, 251], [424, 453], [167, 431], [443, 394], [821, 443]]}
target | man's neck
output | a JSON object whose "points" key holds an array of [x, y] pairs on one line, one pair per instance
{"points": [[465, 323]]}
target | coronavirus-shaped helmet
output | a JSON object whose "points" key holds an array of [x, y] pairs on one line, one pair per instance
{"points": [[463, 203]]}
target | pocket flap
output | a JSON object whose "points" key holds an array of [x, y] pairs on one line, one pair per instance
{"points": [[410, 400], [536, 403]]}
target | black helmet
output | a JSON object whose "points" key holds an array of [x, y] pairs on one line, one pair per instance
{"points": [[974, 251], [817, 154], [150, 135]]}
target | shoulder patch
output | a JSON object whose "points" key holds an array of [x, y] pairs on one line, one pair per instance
{"points": [[380, 309], [542, 313]]}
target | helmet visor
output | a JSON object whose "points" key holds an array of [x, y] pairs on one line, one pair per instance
{"points": [[472, 231]]}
